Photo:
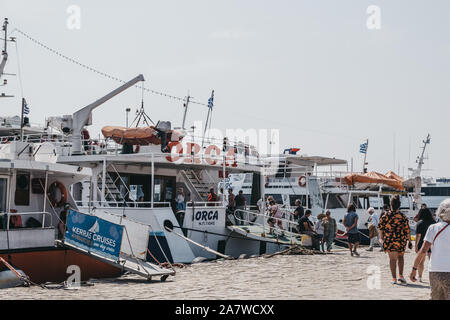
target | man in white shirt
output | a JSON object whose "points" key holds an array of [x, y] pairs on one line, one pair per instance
{"points": [[373, 227], [438, 238]]}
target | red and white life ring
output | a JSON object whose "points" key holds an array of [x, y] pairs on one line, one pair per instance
{"points": [[302, 181], [52, 195]]}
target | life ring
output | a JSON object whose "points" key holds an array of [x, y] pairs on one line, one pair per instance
{"points": [[302, 181], [52, 196]]}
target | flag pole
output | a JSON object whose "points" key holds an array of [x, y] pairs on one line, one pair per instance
{"points": [[210, 106], [21, 120], [365, 156]]}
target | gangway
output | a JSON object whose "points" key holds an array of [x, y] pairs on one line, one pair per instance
{"points": [[101, 239], [126, 263], [258, 230]]}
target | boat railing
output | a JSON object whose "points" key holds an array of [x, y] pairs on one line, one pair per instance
{"points": [[110, 147], [127, 204], [7, 223], [245, 218], [204, 204]]}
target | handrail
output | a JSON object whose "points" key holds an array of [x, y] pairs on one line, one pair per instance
{"points": [[121, 180], [9, 214], [109, 192], [204, 204], [266, 216], [136, 204]]}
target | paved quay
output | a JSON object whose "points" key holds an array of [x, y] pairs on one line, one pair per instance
{"points": [[330, 276]]}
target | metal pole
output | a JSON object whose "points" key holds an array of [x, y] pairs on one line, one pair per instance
{"points": [[153, 179], [45, 198], [262, 183], [223, 180], [185, 110], [365, 155], [5, 28], [127, 110], [103, 181], [307, 190], [21, 120], [90, 195]]}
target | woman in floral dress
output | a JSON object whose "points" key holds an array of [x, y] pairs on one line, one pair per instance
{"points": [[395, 235]]}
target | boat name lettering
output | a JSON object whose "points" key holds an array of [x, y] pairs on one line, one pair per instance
{"points": [[94, 237], [207, 215]]}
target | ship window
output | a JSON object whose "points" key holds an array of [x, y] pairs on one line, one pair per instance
{"points": [[277, 198], [333, 202], [22, 194], [136, 192]]}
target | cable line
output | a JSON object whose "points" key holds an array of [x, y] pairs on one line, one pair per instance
{"points": [[99, 72]]}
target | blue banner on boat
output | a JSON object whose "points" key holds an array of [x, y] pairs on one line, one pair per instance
{"points": [[94, 234]]}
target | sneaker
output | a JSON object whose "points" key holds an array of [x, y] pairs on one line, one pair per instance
{"points": [[356, 253], [394, 281], [370, 249], [420, 279], [402, 280], [351, 253]]}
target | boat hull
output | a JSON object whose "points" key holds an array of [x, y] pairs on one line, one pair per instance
{"points": [[50, 264]]}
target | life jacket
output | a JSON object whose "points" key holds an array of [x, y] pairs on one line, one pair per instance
{"points": [[16, 221]]}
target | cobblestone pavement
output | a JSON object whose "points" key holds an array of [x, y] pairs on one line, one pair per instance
{"points": [[331, 276]]}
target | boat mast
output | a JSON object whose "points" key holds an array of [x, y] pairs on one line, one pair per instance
{"points": [[365, 156], [186, 104], [417, 172], [4, 52], [208, 116]]}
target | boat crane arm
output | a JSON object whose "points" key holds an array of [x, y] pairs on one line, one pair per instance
{"points": [[83, 117], [4, 51]]}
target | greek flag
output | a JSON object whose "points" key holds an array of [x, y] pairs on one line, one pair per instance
{"points": [[211, 101], [26, 110], [363, 148]]}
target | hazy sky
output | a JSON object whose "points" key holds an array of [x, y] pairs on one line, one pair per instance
{"points": [[310, 68]]}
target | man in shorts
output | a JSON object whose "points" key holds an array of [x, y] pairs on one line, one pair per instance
{"points": [[351, 225]]}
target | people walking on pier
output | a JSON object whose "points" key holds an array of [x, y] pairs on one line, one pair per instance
{"points": [[212, 197], [306, 227], [318, 227], [299, 212], [241, 204], [62, 225], [437, 238], [351, 225], [221, 196], [425, 221], [181, 205], [329, 230], [275, 216], [231, 204], [395, 234], [423, 210], [262, 204], [372, 227]]}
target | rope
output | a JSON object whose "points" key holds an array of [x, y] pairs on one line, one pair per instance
{"points": [[23, 278], [224, 235], [160, 248], [103, 74]]}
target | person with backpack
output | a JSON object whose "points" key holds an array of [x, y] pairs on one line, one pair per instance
{"points": [[438, 239]]}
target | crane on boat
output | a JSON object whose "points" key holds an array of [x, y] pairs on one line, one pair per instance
{"points": [[76, 122]]}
